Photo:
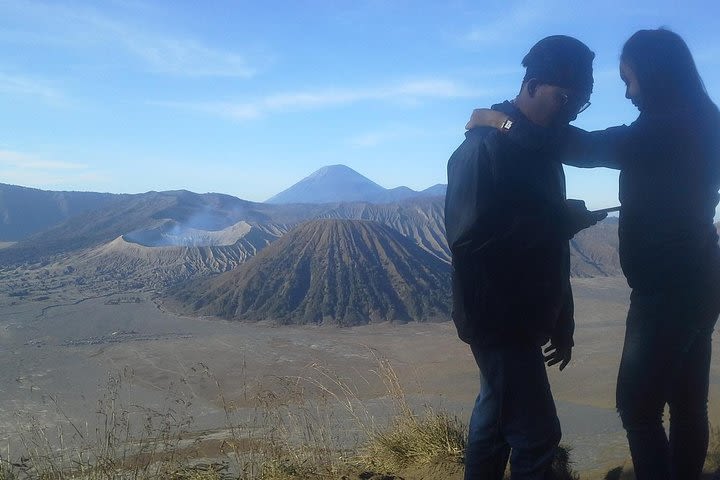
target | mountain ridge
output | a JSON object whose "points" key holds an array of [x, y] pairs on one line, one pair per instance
{"points": [[208, 227], [345, 272], [25, 211], [340, 183]]}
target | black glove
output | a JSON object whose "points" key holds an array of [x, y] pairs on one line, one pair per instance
{"points": [[558, 351], [578, 217]]}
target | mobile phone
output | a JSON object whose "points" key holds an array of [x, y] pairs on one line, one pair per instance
{"points": [[607, 210]]}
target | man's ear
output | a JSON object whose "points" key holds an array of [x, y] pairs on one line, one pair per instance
{"points": [[532, 85]]}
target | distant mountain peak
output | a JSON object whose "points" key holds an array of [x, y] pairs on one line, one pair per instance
{"points": [[340, 183], [330, 184], [338, 169]]}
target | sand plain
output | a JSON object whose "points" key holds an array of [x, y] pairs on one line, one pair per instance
{"points": [[56, 358]]}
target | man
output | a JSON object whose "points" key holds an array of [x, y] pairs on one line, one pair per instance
{"points": [[508, 224]]}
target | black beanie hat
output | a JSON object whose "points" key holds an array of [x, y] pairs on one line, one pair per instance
{"points": [[562, 61]]}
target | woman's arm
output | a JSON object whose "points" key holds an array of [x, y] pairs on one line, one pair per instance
{"points": [[576, 147], [520, 131], [599, 148]]}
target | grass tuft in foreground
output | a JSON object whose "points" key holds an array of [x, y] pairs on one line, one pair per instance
{"points": [[433, 439], [430, 438], [311, 427]]}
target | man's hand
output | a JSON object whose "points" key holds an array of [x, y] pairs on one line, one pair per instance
{"points": [[557, 352], [579, 217], [484, 117]]}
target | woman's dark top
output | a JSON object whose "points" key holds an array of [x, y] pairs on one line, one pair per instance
{"points": [[669, 180]]}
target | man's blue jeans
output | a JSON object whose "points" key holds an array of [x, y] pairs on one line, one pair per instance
{"points": [[514, 415], [666, 360]]}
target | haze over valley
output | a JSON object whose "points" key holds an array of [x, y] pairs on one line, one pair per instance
{"points": [[222, 241], [333, 272]]}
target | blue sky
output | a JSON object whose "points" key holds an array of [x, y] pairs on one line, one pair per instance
{"points": [[248, 97]]}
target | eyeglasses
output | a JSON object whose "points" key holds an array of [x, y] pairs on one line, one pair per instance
{"points": [[565, 98]]}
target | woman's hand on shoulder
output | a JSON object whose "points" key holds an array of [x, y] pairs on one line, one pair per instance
{"points": [[485, 117]]}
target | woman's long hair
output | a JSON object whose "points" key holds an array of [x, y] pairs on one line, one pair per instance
{"points": [[667, 76]]}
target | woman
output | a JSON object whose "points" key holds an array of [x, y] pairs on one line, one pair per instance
{"points": [[669, 162]]}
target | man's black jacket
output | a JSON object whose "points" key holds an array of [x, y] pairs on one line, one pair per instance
{"points": [[506, 228]]}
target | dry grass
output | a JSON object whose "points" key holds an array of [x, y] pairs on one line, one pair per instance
{"points": [[711, 468], [430, 438], [305, 427], [562, 465], [712, 461], [433, 439], [129, 442], [299, 430]]}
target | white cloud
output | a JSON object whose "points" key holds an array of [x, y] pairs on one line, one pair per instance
{"points": [[30, 170], [509, 22], [372, 139], [85, 28], [23, 160], [408, 92], [50, 180], [20, 85], [412, 89], [235, 111], [172, 55], [388, 134]]}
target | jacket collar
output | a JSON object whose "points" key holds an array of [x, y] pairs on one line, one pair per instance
{"points": [[509, 108]]}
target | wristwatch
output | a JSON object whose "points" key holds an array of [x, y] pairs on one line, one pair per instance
{"points": [[506, 125]]}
